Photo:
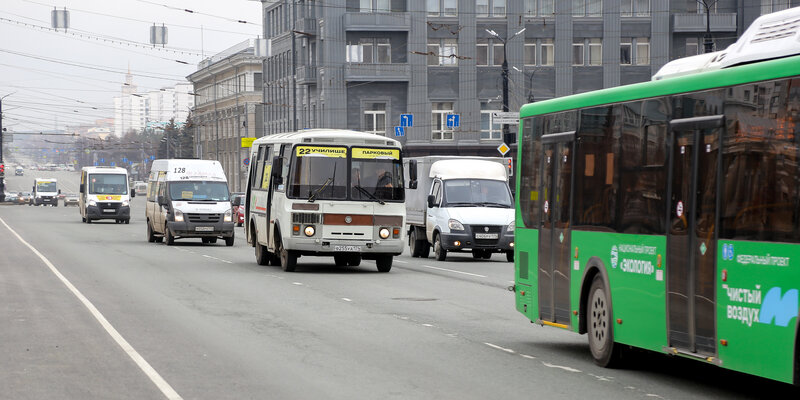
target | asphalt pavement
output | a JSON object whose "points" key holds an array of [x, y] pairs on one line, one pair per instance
{"points": [[206, 322]]}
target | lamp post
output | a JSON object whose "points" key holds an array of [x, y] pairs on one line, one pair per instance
{"points": [[530, 83], [507, 137], [708, 44]]}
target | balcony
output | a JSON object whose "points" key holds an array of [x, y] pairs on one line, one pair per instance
{"points": [[394, 21], [306, 75], [689, 22], [306, 25], [377, 72]]}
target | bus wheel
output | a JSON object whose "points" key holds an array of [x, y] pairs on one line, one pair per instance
{"points": [[384, 262], [288, 257], [510, 256], [262, 256], [151, 237], [599, 320], [340, 260], [354, 260], [169, 238], [441, 253]]}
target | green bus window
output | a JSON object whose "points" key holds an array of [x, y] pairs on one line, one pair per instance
{"points": [[596, 177], [530, 164]]}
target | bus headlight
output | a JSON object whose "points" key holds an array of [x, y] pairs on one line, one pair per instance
{"points": [[228, 216], [309, 231], [125, 203], [178, 216], [92, 203], [455, 225], [510, 227], [384, 233]]}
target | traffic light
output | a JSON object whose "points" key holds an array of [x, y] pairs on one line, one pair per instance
{"points": [[510, 166], [2, 170]]}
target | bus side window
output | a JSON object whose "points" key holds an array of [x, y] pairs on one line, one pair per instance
{"points": [[265, 165], [286, 154], [258, 169]]}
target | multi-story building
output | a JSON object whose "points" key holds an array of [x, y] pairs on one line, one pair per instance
{"points": [[136, 111], [227, 108], [360, 64]]}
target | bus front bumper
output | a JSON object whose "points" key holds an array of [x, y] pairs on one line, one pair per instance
{"points": [[109, 211], [201, 229], [329, 247]]}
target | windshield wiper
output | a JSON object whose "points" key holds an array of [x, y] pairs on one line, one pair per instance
{"points": [[318, 191], [461, 204], [491, 203], [370, 195]]}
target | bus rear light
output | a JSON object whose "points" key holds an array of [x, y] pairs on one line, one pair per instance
{"points": [[576, 252], [574, 312], [724, 275], [619, 321], [723, 342], [396, 233], [296, 230], [659, 261]]}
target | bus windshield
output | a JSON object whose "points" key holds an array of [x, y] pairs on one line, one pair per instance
{"points": [[476, 192], [376, 175], [198, 191], [108, 184], [318, 173], [45, 186]]}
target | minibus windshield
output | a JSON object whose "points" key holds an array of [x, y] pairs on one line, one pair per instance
{"points": [[46, 187], [477, 193], [318, 173], [198, 191], [108, 184]]}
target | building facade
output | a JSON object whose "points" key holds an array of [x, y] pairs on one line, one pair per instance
{"points": [[153, 109], [228, 95], [360, 64]]}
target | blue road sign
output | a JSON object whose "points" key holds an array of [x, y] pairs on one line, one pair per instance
{"points": [[113, 164], [102, 160], [407, 120], [95, 163], [399, 131], [453, 120]]}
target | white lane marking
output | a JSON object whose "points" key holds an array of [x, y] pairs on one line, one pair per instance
{"points": [[215, 258], [428, 325], [148, 370], [560, 367], [401, 261], [499, 348], [452, 270], [297, 283], [346, 299], [527, 356]]}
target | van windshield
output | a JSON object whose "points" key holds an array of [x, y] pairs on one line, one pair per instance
{"points": [[108, 184], [198, 191], [477, 193], [46, 187]]}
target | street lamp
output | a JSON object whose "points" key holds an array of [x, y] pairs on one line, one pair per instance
{"points": [[708, 44], [507, 137], [530, 82]]}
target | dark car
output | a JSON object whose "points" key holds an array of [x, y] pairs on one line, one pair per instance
{"points": [[237, 204]]}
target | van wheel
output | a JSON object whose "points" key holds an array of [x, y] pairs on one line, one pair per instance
{"points": [[229, 241], [441, 253], [88, 220], [169, 238], [413, 243], [288, 257], [384, 262], [263, 257], [151, 237], [510, 256], [83, 219], [127, 221]]}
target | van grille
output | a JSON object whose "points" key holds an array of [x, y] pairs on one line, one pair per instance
{"points": [[305, 218], [204, 217], [109, 205]]}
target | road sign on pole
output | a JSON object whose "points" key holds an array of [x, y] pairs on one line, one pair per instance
{"points": [[453, 120], [503, 117], [503, 149], [399, 131], [407, 120]]}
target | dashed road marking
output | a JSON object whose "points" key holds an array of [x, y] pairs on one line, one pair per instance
{"points": [[560, 367], [346, 299], [215, 258], [452, 270], [297, 283], [500, 348]]}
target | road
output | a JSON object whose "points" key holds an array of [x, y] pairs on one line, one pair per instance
{"points": [[200, 321]]}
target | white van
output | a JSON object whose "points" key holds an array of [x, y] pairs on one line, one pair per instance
{"points": [[104, 194], [188, 199], [45, 191]]}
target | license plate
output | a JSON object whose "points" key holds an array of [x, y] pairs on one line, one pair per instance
{"points": [[108, 210], [346, 248], [203, 228], [486, 236]]}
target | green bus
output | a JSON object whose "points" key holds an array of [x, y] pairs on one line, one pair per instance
{"points": [[665, 215]]}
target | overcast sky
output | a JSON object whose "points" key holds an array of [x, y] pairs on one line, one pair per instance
{"points": [[108, 36]]}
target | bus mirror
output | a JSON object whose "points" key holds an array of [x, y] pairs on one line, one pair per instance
{"points": [[59, 191], [162, 201], [277, 166], [82, 187], [237, 201], [431, 201], [133, 193], [412, 174]]}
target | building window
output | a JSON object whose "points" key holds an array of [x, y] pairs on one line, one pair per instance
{"points": [[587, 8], [375, 118], [642, 51], [595, 52], [770, 6], [547, 52], [482, 8], [440, 130], [489, 129], [498, 8], [625, 51], [490, 8], [367, 6], [443, 52], [497, 54], [446, 8], [370, 51], [635, 8], [529, 52], [482, 54], [691, 47], [577, 52]]}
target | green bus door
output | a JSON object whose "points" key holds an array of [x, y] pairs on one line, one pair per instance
{"points": [[692, 236], [554, 232]]}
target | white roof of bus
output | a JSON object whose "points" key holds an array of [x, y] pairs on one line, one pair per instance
{"points": [[46, 180], [105, 170], [209, 170], [329, 136]]}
